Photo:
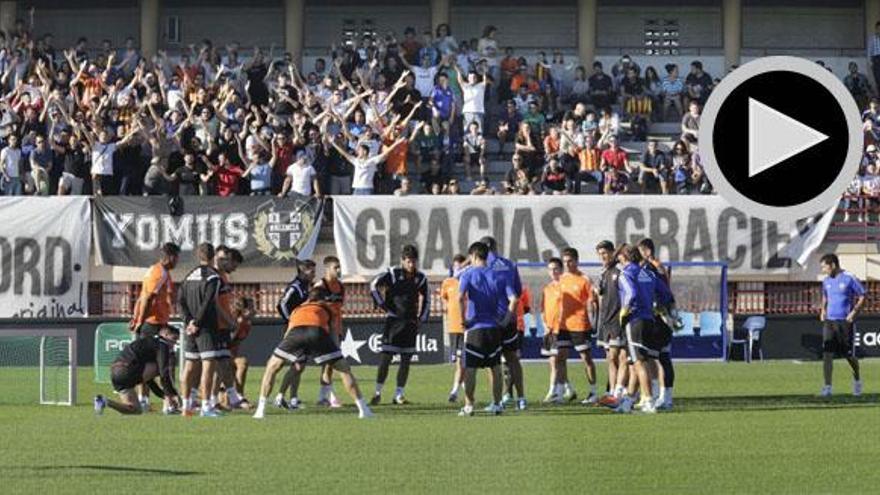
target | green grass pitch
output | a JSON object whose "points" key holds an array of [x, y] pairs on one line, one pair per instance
{"points": [[737, 428]]}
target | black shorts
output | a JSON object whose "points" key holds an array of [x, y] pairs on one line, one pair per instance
{"points": [[399, 336], [548, 345], [207, 344], [147, 330], [838, 337], [124, 376], [456, 342], [482, 348], [511, 338], [611, 334], [302, 343], [662, 336], [580, 341], [639, 339]]}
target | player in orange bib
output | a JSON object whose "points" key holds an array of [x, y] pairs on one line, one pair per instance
{"points": [[575, 330], [335, 300], [453, 323], [243, 313], [152, 311], [523, 307], [551, 306], [308, 336]]}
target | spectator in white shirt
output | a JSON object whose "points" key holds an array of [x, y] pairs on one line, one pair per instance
{"points": [[871, 191], [365, 167], [102, 156], [10, 161], [424, 74], [301, 178], [852, 200], [474, 95]]}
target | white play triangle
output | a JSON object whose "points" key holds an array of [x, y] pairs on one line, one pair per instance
{"points": [[774, 137]]}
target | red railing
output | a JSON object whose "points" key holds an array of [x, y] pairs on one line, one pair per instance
{"points": [[117, 299], [788, 298]]}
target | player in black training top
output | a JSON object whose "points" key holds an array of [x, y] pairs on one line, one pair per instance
{"points": [[402, 292], [198, 298], [611, 334], [296, 293], [139, 363]]}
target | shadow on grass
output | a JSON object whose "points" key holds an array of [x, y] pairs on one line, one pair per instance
{"points": [[743, 403], [112, 469]]}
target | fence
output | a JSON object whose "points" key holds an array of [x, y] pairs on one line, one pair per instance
{"points": [[115, 299], [789, 298]]}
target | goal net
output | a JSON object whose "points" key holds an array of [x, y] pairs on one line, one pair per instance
{"points": [[700, 290], [38, 366]]}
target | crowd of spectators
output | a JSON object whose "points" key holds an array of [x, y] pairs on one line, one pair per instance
{"points": [[381, 115]]}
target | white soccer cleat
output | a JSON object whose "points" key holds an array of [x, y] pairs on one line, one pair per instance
{"points": [[466, 411], [210, 413], [100, 404], [496, 409], [280, 403], [294, 404], [260, 414], [857, 388], [506, 399], [335, 403], [552, 399], [826, 391], [648, 408], [521, 404], [366, 414], [591, 399], [625, 406]]}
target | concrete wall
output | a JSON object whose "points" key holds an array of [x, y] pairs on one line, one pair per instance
{"points": [[247, 25], [324, 23], [623, 27], [773, 28], [67, 25], [810, 31]]}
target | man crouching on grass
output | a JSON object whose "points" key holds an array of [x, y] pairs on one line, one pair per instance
{"points": [[139, 363], [308, 336]]}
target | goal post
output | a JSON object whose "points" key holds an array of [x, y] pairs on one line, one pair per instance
{"points": [[47, 355], [700, 290]]}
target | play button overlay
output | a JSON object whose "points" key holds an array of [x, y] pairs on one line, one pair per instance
{"points": [[781, 138], [789, 137]]}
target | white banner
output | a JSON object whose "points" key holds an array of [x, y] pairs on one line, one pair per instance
{"points": [[44, 248], [369, 231]]}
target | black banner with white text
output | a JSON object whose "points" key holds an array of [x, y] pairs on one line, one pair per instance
{"points": [[268, 231]]}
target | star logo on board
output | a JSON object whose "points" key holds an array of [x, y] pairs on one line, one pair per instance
{"points": [[349, 346]]}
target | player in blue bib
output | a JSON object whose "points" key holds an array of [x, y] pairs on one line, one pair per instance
{"points": [[842, 299], [479, 293]]}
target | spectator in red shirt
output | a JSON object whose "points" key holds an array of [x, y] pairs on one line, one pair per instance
{"points": [[226, 173], [284, 155], [614, 164]]}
